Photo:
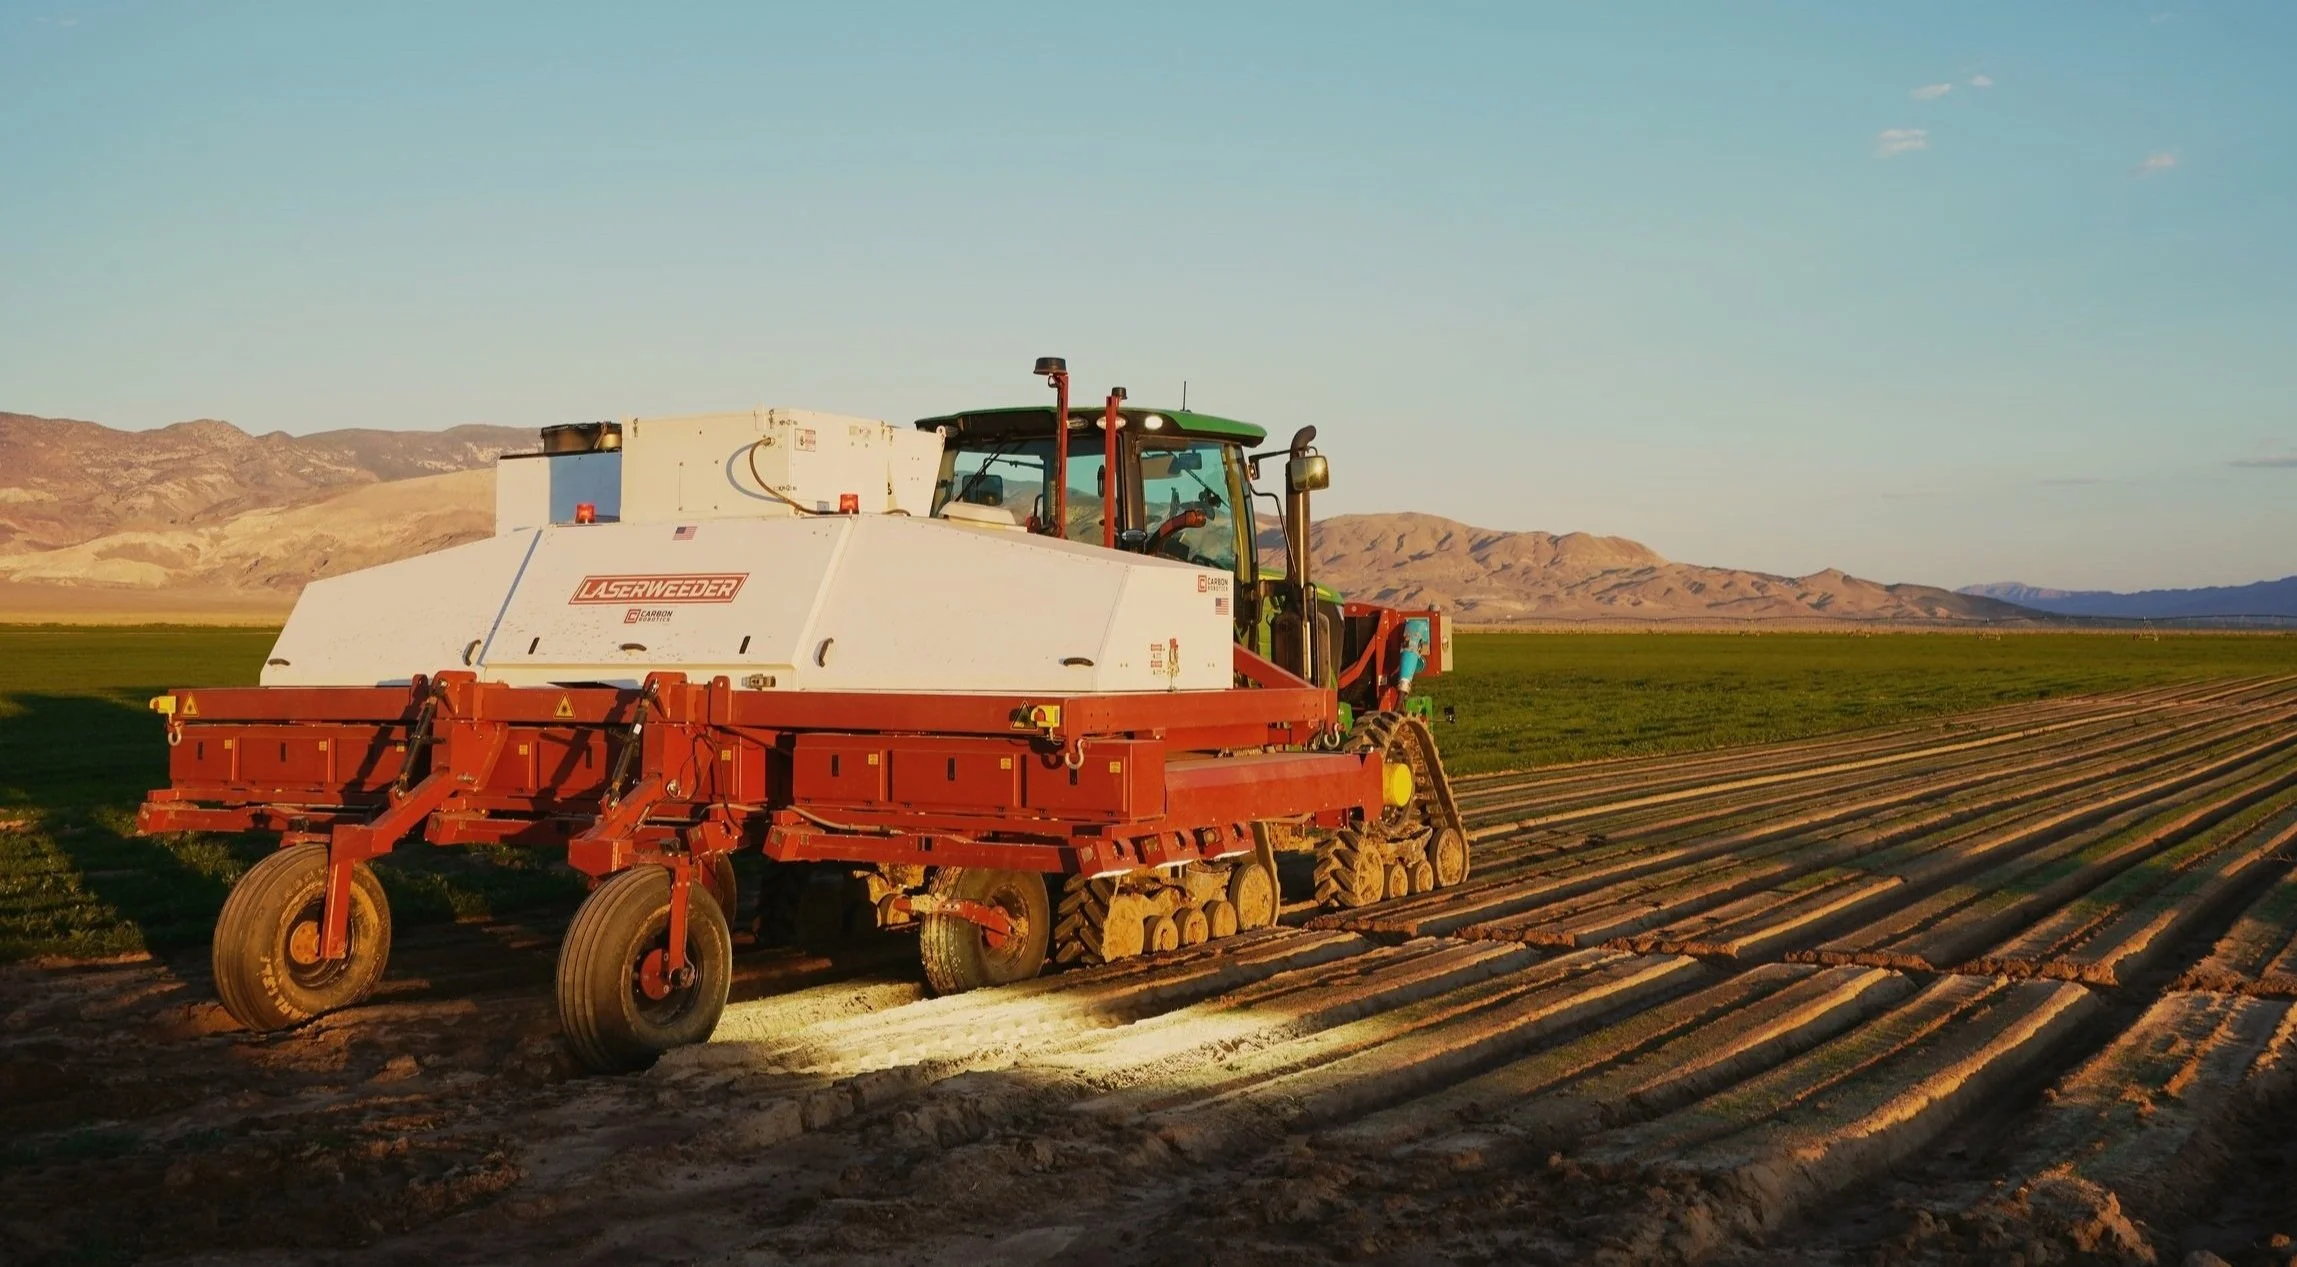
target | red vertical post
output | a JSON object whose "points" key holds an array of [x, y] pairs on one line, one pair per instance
{"points": [[1110, 421], [1058, 503]]}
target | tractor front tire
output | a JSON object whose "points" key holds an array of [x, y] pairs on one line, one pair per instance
{"points": [[268, 971], [956, 951], [618, 1007]]}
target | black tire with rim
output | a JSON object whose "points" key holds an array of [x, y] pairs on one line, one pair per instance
{"points": [[956, 951], [268, 972], [618, 1006]]}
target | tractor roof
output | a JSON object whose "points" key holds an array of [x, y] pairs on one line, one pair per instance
{"points": [[1039, 418]]}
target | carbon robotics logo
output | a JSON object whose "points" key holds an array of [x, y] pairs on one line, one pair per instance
{"points": [[715, 587]]}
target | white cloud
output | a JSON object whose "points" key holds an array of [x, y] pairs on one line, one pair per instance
{"points": [[1931, 92], [1981, 81], [2282, 462], [2160, 161], [1891, 141]]}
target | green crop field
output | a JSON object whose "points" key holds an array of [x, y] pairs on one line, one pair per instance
{"points": [[1534, 699], [78, 747]]}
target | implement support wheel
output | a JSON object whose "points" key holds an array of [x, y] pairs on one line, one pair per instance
{"points": [[268, 970], [620, 1006], [957, 952]]}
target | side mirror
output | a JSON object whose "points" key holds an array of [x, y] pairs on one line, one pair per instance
{"points": [[987, 490], [1307, 473]]}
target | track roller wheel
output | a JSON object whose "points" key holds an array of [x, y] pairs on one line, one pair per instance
{"points": [[1220, 917], [1406, 741], [1162, 933], [620, 1006], [1252, 891], [1399, 881], [268, 971], [1126, 933], [1195, 928], [956, 951], [1348, 872], [1423, 876], [1448, 854]]}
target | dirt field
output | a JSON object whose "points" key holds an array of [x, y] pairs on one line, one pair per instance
{"points": [[2014, 986]]}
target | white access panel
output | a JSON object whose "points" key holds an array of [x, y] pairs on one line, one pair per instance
{"points": [[382, 625], [720, 465], [914, 606], [846, 602], [534, 489], [629, 620]]}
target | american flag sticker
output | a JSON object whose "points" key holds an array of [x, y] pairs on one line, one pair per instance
{"points": [[685, 532]]}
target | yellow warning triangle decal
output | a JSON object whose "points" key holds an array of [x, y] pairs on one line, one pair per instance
{"points": [[190, 706], [565, 706]]}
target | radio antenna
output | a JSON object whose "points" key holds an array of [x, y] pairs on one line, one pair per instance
{"points": [[1184, 395]]}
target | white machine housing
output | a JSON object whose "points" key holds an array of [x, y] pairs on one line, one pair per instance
{"points": [[708, 466], [836, 602]]}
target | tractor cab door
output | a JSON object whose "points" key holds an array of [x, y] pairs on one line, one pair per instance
{"points": [[1186, 498]]}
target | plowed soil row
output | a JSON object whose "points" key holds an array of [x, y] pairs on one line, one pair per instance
{"points": [[2021, 983]]}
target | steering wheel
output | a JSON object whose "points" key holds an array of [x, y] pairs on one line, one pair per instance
{"points": [[1162, 534]]}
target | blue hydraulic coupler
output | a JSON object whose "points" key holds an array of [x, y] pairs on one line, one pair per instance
{"points": [[1415, 654]]}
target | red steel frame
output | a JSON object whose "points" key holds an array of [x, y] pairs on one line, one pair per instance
{"points": [[1383, 650], [679, 771]]}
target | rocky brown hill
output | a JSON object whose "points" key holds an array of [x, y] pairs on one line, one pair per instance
{"points": [[1490, 577], [64, 482], [274, 550]]}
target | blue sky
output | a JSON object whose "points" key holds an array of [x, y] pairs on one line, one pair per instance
{"points": [[1946, 292]]}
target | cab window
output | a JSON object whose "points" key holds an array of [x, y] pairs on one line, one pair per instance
{"points": [[1182, 480], [1012, 474]]}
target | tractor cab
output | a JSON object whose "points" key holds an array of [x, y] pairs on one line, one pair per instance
{"points": [[1181, 489], [1184, 490]]}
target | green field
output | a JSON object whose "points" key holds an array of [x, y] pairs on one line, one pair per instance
{"points": [[1534, 699], [78, 748]]}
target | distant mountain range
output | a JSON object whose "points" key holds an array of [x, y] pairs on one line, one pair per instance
{"points": [[2265, 598], [1491, 577], [201, 520], [203, 517], [64, 482]]}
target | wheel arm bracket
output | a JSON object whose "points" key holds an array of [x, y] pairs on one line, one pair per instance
{"points": [[349, 844], [996, 926]]}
